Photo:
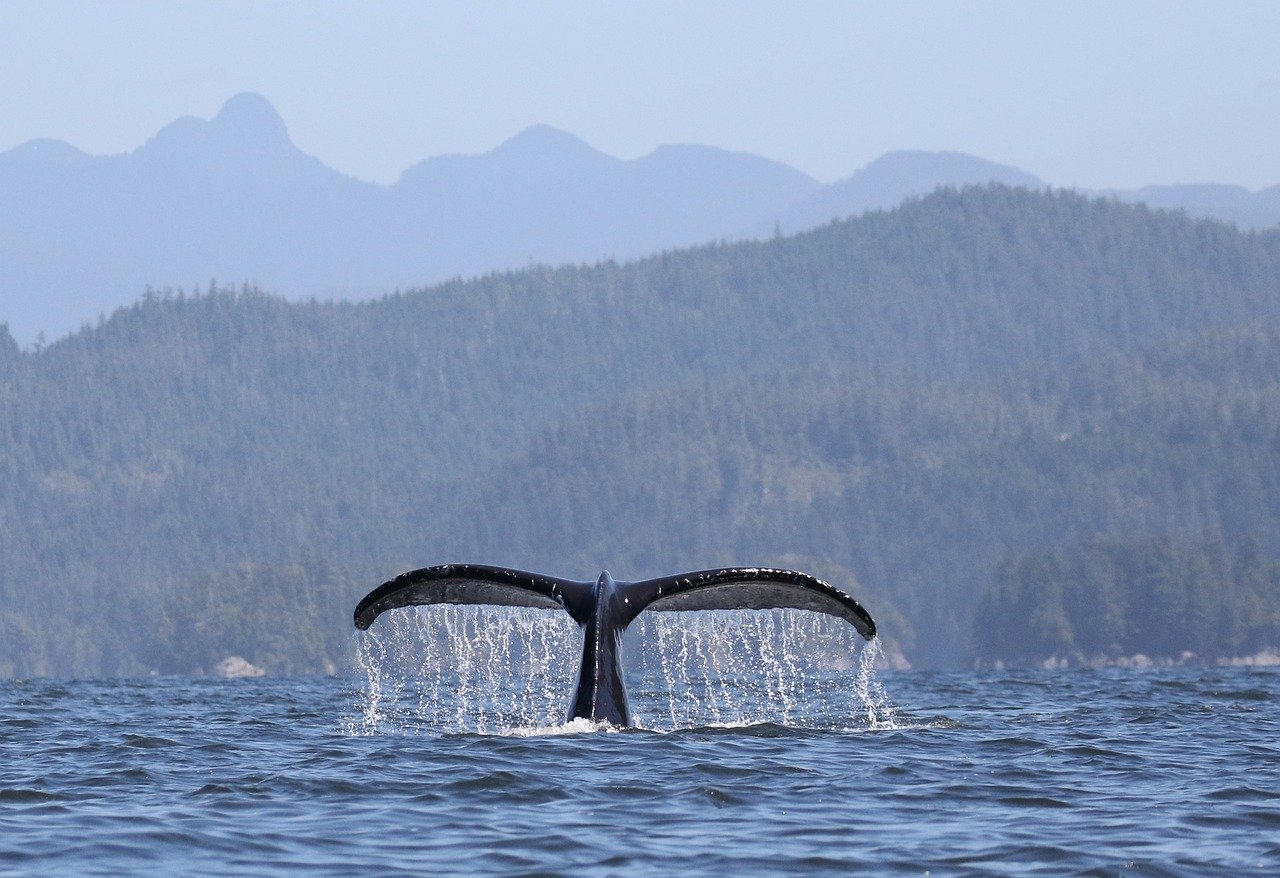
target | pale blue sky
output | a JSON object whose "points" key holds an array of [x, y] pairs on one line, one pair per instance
{"points": [[1095, 94]]}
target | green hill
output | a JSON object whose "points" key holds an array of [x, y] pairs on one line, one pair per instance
{"points": [[906, 398]]}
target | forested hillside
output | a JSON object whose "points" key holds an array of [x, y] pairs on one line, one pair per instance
{"points": [[1166, 598], [898, 402]]}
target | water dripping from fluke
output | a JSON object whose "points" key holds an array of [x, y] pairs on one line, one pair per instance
{"points": [[491, 650]]}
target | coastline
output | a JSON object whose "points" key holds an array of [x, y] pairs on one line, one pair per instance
{"points": [[1264, 658]]}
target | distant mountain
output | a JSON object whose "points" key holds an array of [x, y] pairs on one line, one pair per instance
{"points": [[546, 196], [232, 198], [229, 197], [892, 179], [1233, 204], [897, 176]]}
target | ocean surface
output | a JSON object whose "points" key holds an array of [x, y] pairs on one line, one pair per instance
{"points": [[1170, 771]]}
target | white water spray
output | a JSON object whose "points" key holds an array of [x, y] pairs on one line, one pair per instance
{"points": [[484, 669], [744, 667], [506, 670]]}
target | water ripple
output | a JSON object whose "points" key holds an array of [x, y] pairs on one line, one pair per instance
{"points": [[1164, 772]]}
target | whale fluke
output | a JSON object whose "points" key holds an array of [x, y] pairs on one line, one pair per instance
{"points": [[475, 584], [754, 588], [606, 607]]}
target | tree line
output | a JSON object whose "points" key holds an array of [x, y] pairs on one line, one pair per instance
{"points": [[1165, 597]]}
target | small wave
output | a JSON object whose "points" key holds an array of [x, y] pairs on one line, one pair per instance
{"points": [[147, 742], [1240, 794], [493, 780], [1034, 802], [28, 795], [577, 726], [719, 798], [1241, 694], [212, 789]]}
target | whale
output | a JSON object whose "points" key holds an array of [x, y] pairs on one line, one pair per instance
{"points": [[603, 608]]}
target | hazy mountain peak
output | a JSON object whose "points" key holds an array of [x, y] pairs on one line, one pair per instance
{"points": [[246, 120], [696, 158], [251, 115], [41, 152], [893, 178], [944, 168], [541, 141], [46, 148]]}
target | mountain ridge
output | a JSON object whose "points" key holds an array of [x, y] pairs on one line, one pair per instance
{"points": [[232, 197]]}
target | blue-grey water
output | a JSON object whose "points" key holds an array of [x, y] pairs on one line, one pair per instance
{"points": [[1106, 772]]}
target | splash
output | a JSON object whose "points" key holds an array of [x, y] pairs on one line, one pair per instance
{"points": [[746, 667], [483, 669], [509, 671]]}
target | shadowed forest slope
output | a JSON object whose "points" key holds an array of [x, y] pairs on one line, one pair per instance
{"points": [[908, 396]]}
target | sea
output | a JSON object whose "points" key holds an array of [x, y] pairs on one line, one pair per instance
{"points": [[758, 749]]}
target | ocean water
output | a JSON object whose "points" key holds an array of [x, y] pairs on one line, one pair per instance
{"points": [[1170, 771]]}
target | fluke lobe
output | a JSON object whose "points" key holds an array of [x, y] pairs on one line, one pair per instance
{"points": [[606, 607]]}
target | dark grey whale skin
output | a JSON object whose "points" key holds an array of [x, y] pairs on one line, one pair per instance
{"points": [[606, 607]]}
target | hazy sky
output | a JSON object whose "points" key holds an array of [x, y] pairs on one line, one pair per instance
{"points": [[1104, 94]]}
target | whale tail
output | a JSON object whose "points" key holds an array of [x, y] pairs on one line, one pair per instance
{"points": [[750, 588], [606, 607], [476, 584]]}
